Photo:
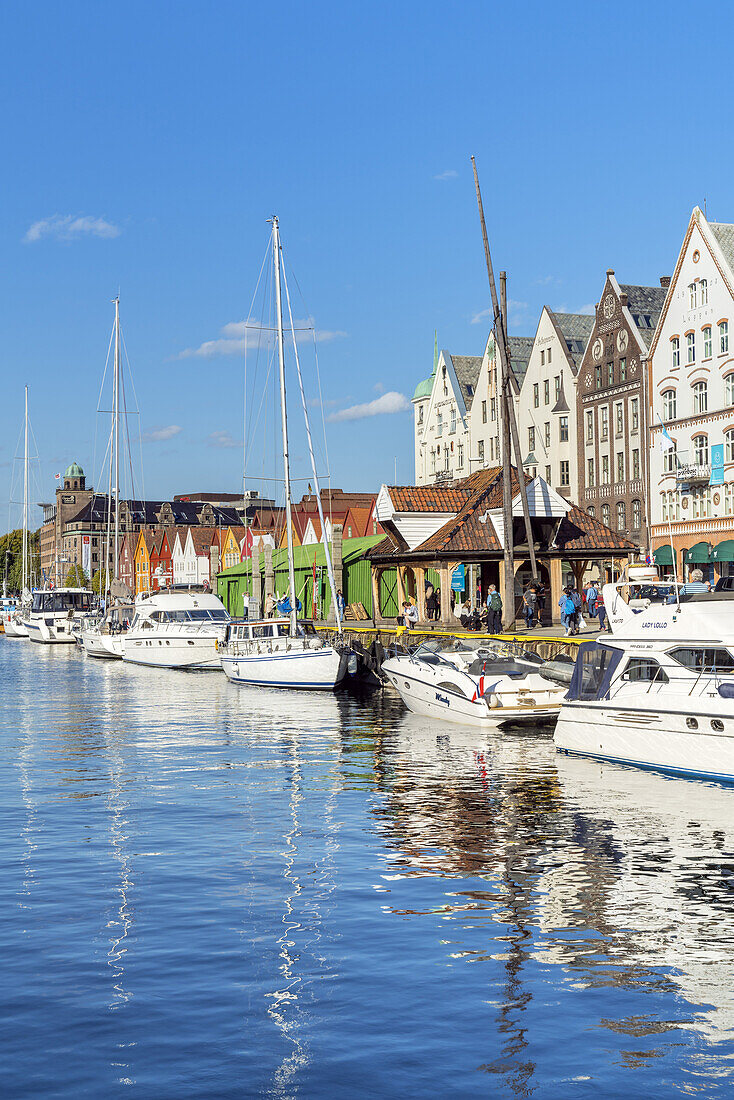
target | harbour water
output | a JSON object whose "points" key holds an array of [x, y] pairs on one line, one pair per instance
{"points": [[213, 891]]}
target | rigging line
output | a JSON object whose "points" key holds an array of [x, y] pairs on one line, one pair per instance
{"points": [[244, 409], [135, 413], [318, 377], [327, 553], [250, 429], [99, 400]]}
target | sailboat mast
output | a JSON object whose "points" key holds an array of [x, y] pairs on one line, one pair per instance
{"points": [[116, 433], [284, 422], [24, 564]]}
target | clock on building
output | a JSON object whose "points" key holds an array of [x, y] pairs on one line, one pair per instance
{"points": [[609, 306], [622, 340], [598, 348]]}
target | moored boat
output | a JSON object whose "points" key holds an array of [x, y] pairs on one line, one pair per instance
{"points": [[176, 628], [266, 653]]}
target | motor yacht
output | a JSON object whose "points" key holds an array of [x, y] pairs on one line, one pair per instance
{"points": [[51, 614], [477, 685], [175, 628], [659, 691], [103, 636], [268, 653]]}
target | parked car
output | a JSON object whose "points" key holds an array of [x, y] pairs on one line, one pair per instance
{"points": [[725, 584]]}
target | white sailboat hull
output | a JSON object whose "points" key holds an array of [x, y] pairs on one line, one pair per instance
{"points": [[307, 669], [654, 738], [172, 651]]}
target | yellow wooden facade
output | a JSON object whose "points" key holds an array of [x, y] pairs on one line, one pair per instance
{"points": [[142, 565]]}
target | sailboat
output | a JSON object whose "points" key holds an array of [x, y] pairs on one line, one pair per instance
{"points": [[285, 652], [102, 637], [13, 614]]}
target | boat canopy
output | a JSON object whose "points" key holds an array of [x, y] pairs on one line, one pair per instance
{"points": [[698, 554], [594, 669]]}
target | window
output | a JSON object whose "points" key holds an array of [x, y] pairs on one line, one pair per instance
{"points": [[636, 515], [531, 438], [446, 457], [433, 461], [604, 434], [548, 356], [546, 392], [621, 515], [705, 659], [605, 514], [619, 418], [547, 433], [635, 463], [701, 450], [439, 423], [701, 502], [491, 448], [675, 349], [692, 295], [591, 511], [669, 405], [548, 474], [536, 395], [558, 384], [484, 412], [420, 414], [460, 455], [480, 450], [700, 397], [620, 465], [542, 358], [691, 346], [644, 670], [623, 370], [723, 337], [605, 469], [635, 414], [729, 441], [564, 429], [598, 377], [707, 342], [452, 429], [703, 288], [610, 374], [565, 472], [590, 474], [730, 389], [729, 498], [590, 425], [670, 459]]}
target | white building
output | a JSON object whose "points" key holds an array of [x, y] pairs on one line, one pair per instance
{"points": [[691, 388], [546, 409]]}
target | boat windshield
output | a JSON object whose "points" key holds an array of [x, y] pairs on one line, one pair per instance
{"points": [[592, 675], [196, 615], [61, 601]]}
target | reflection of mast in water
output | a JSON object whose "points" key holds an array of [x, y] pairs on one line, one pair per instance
{"points": [[120, 925], [30, 826]]}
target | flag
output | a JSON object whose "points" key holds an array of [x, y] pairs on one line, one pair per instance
{"points": [[58, 477], [665, 441]]}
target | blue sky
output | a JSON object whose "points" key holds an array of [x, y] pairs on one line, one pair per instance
{"points": [[144, 146]]}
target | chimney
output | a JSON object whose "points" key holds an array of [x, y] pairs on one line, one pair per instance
{"points": [[623, 299], [665, 281], [610, 271]]}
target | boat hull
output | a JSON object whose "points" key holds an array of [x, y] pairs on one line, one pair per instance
{"points": [[656, 739], [104, 646], [307, 669], [172, 652], [55, 634], [14, 629]]}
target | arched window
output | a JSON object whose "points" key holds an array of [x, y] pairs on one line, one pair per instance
{"points": [[691, 346], [691, 295], [664, 506], [591, 510], [605, 514], [729, 442], [668, 404], [701, 450], [670, 459], [675, 349], [723, 337], [729, 389], [621, 515], [703, 287], [700, 397], [707, 342], [636, 515]]}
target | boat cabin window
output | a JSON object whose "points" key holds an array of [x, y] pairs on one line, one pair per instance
{"points": [[704, 658], [306, 630], [593, 671], [62, 601], [645, 670]]}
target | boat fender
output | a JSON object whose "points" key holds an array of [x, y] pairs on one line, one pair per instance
{"points": [[494, 700]]}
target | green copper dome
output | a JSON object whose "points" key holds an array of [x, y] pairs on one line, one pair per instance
{"points": [[74, 470], [424, 388]]}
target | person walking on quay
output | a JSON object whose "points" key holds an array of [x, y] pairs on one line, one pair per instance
{"points": [[568, 610], [577, 605], [601, 612], [591, 595], [340, 603], [431, 602], [494, 610], [529, 604], [540, 602]]}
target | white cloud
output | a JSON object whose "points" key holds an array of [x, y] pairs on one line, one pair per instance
{"points": [[589, 309], [236, 336], [222, 438], [379, 387], [515, 309], [71, 227], [481, 316], [449, 174], [156, 435], [391, 402]]}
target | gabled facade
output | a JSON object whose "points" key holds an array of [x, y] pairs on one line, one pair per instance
{"points": [[485, 429], [441, 420], [178, 557], [142, 563], [612, 409], [230, 546], [691, 389], [126, 564], [546, 409]]}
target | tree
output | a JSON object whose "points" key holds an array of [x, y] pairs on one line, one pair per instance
{"points": [[99, 582], [76, 577], [11, 553]]}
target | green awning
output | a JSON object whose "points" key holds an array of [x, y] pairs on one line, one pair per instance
{"points": [[698, 554], [663, 555], [724, 551]]}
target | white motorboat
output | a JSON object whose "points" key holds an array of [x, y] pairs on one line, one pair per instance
{"points": [[103, 637], [50, 619], [658, 692], [12, 619], [175, 628], [265, 653], [476, 686]]}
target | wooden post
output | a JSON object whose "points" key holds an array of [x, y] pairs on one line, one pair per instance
{"points": [[401, 589], [420, 591], [376, 572], [445, 573]]}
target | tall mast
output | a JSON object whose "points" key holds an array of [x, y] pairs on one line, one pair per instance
{"points": [[284, 423], [116, 433], [24, 564]]}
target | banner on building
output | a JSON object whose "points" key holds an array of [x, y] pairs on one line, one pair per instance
{"points": [[458, 580], [87, 555], [717, 464]]}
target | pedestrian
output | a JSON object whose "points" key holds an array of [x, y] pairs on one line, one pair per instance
{"points": [[568, 610], [576, 597], [411, 615], [601, 612], [529, 603], [269, 605], [437, 604], [494, 610], [340, 603], [463, 613], [431, 602], [591, 594], [540, 601]]}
